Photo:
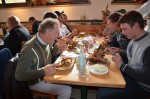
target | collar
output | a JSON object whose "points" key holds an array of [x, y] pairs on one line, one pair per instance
{"points": [[142, 37], [40, 40]]}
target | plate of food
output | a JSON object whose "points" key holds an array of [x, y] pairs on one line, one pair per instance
{"points": [[64, 63], [99, 58], [98, 69]]}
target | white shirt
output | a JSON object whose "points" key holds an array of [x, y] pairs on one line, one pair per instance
{"points": [[145, 9], [63, 31]]}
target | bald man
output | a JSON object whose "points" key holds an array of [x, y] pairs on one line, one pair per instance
{"points": [[18, 35]]}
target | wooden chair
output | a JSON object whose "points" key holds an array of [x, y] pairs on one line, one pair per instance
{"points": [[40, 94]]}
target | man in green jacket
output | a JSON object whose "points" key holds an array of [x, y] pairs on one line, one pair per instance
{"points": [[35, 60]]}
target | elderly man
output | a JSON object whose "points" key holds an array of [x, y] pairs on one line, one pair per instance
{"points": [[36, 57], [18, 35]]}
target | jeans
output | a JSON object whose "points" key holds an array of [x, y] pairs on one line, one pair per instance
{"points": [[132, 90]]}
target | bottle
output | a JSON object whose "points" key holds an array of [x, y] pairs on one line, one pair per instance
{"points": [[1, 31], [82, 61], [84, 16]]}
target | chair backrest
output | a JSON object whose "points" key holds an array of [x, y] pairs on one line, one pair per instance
{"points": [[5, 56], [15, 89]]}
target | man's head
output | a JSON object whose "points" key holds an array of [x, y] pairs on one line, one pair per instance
{"points": [[65, 18], [13, 21], [50, 15], [131, 23], [112, 21], [104, 15], [121, 11], [32, 20], [60, 16], [49, 30]]}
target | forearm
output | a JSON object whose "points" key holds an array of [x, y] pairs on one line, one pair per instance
{"points": [[28, 75], [123, 55], [140, 75], [70, 35]]}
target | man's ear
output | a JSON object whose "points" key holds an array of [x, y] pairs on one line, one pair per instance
{"points": [[136, 26], [47, 31]]}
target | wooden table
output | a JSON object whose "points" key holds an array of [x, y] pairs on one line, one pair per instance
{"points": [[112, 79]]}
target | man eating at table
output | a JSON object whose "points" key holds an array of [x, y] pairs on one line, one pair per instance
{"points": [[35, 60], [137, 71]]}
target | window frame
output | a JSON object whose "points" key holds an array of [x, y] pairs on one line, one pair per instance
{"points": [[4, 4], [128, 1], [29, 3]]}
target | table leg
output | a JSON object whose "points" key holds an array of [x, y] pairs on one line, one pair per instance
{"points": [[83, 92]]}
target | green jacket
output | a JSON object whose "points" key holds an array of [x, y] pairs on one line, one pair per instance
{"points": [[34, 56]]}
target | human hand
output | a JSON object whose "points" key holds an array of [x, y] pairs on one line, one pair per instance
{"points": [[50, 69], [59, 36], [105, 32], [62, 44], [116, 49], [74, 32], [110, 50], [71, 35], [118, 60], [108, 38]]}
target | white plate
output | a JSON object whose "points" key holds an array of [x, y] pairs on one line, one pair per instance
{"points": [[64, 68], [98, 69]]}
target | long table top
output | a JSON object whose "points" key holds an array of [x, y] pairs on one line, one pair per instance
{"points": [[71, 76]]}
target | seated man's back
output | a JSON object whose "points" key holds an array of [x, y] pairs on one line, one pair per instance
{"points": [[17, 35]]}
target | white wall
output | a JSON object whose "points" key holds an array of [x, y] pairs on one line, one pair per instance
{"points": [[74, 12]]}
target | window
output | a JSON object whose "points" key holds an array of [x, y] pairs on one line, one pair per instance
{"points": [[25, 3], [15, 1], [128, 1]]}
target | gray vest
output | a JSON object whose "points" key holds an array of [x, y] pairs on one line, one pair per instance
{"points": [[135, 51]]}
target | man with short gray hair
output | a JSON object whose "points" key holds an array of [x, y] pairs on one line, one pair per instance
{"points": [[17, 36], [35, 60]]}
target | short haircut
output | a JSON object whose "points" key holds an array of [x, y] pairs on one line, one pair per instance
{"points": [[121, 11], [14, 20], [50, 15], [32, 19], [48, 23], [64, 14], [114, 17], [131, 18]]}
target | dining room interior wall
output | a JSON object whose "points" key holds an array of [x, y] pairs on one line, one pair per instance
{"points": [[74, 12]]}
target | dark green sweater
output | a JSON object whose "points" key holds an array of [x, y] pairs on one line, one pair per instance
{"points": [[34, 56]]}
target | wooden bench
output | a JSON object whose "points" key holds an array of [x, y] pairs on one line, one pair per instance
{"points": [[40, 94]]}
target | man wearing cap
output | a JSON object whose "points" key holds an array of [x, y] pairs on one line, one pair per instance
{"points": [[63, 31]]}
